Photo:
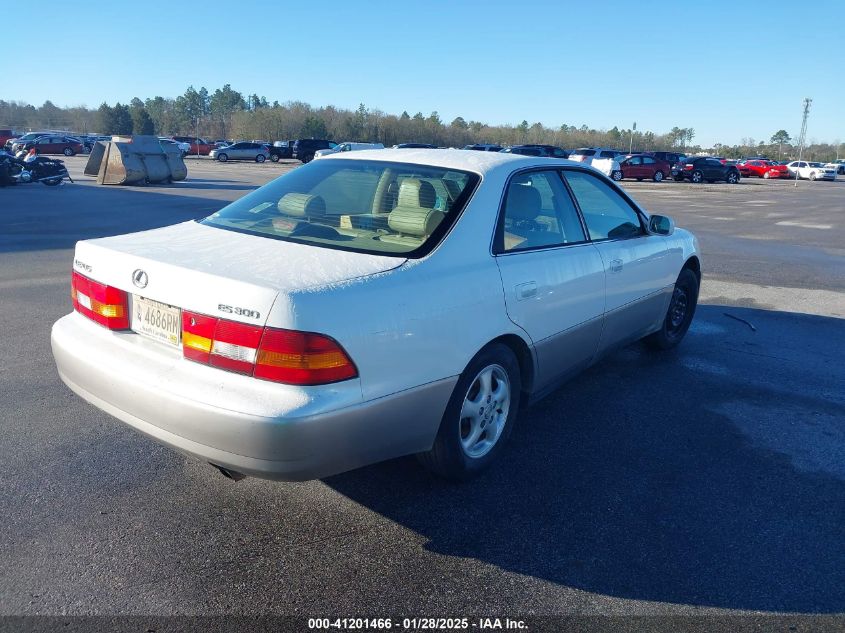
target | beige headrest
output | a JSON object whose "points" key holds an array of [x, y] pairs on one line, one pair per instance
{"points": [[414, 221], [414, 192], [302, 205]]}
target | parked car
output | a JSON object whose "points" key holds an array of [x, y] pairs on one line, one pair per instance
{"points": [[347, 147], [6, 134], [183, 146], [642, 166], [776, 170], [697, 169], [811, 170], [754, 167], [484, 147], [415, 146], [244, 150], [836, 167], [840, 167], [585, 154], [549, 151], [363, 308], [11, 144], [281, 149], [197, 146], [65, 145], [305, 148]]}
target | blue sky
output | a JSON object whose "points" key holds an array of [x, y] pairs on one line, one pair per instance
{"points": [[728, 69]]}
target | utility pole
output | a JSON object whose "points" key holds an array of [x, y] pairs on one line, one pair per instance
{"points": [[631, 144], [807, 103]]}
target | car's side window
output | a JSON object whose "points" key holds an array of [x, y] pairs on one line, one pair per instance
{"points": [[636, 160], [538, 212], [607, 214], [648, 160]]}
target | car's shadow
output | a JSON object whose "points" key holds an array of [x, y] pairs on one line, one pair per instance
{"points": [[713, 475]]}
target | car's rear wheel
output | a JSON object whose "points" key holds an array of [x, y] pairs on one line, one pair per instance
{"points": [[307, 158], [680, 313], [274, 158], [222, 157], [658, 176], [68, 151], [479, 416], [732, 178], [260, 158], [616, 174], [697, 177]]}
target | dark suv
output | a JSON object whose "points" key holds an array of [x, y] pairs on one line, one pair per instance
{"points": [[549, 151], [304, 148], [700, 168], [669, 157]]}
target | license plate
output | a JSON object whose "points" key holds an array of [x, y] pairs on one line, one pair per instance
{"points": [[156, 320]]}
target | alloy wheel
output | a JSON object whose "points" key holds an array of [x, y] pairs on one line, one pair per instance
{"points": [[485, 411]]}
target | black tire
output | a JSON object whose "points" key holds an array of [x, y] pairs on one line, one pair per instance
{"points": [[812, 175], [658, 176], [274, 158], [680, 313], [260, 158], [732, 178], [617, 175], [697, 177], [448, 457], [52, 182], [222, 157], [308, 158], [68, 151]]}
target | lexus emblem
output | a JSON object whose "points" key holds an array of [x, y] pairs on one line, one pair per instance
{"points": [[140, 278]]}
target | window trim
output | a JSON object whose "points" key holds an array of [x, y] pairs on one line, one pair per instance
{"points": [[497, 244]]}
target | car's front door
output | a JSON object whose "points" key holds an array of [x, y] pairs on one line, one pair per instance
{"points": [[639, 281], [552, 276]]}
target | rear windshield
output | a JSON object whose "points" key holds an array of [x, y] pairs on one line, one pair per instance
{"points": [[585, 152], [357, 205]]}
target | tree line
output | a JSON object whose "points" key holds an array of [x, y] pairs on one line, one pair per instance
{"points": [[226, 113]]}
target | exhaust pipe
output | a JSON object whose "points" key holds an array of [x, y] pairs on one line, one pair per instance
{"points": [[234, 475]]}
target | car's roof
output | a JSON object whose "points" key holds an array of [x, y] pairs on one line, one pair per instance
{"points": [[461, 159]]}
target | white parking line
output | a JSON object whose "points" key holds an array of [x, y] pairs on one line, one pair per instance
{"points": [[802, 225]]}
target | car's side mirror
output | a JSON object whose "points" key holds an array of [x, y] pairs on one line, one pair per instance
{"points": [[661, 225]]}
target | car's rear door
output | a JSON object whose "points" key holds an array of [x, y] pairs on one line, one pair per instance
{"points": [[636, 264], [552, 276]]}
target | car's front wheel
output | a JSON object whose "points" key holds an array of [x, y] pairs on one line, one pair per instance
{"points": [[222, 158], [616, 174], [732, 178], [680, 313], [658, 176], [479, 416], [813, 176], [68, 151], [274, 158], [260, 158], [697, 177]]}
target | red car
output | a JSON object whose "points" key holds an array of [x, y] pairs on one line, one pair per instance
{"points": [[52, 144], [198, 145], [757, 168], [776, 170], [642, 166], [5, 135]]}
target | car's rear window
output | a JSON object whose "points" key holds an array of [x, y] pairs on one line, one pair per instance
{"points": [[357, 205]]}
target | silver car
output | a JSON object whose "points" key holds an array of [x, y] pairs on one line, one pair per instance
{"points": [[241, 151]]}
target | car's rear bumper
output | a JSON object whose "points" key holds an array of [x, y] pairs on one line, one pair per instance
{"points": [[244, 424]]}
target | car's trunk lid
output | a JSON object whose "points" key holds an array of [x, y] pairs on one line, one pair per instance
{"points": [[218, 272]]}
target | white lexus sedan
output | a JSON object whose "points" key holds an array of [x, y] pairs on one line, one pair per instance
{"points": [[370, 305]]}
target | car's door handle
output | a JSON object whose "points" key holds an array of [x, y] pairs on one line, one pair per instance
{"points": [[526, 290], [615, 265]]}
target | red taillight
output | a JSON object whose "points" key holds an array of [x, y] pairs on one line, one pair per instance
{"points": [[302, 358], [688, 167], [297, 358], [104, 304]]}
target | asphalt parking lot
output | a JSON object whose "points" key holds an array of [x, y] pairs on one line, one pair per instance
{"points": [[706, 480]]}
